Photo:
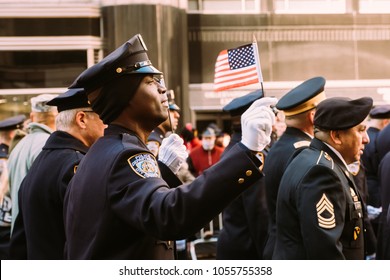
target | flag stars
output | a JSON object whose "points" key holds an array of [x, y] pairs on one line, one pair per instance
{"points": [[241, 57]]}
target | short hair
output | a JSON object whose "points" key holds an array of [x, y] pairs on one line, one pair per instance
{"points": [[65, 119]]}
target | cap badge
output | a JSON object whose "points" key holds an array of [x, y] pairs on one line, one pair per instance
{"points": [[144, 165], [325, 213]]}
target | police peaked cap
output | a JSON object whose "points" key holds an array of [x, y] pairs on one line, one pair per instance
{"points": [[12, 122], [339, 113], [72, 99], [304, 97], [380, 112], [130, 58], [239, 105]]}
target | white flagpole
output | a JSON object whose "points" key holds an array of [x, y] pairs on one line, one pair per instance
{"points": [[257, 59]]}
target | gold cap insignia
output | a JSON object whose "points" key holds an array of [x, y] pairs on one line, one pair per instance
{"points": [[325, 213]]}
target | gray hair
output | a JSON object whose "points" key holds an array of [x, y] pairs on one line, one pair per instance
{"points": [[65, 119]]}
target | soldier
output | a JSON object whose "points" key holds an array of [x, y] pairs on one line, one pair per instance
{"points": [[299, 106], [39, 227], [319, 212], [123, 204], [8, 129], [245, 220]]}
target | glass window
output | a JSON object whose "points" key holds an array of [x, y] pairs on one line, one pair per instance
{"points": [[40, 69], [374, 6], [310, 6], [224, 6]]}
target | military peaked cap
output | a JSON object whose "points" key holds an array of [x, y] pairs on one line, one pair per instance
{"points": [[304, 97]]}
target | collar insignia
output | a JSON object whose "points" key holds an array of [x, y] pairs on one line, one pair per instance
{"points": [[325, 213], [144, 165]]}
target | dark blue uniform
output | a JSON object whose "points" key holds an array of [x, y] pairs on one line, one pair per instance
{"points": [[370, 163], [117, 205], [319, 209], [245, 221], [274, 167], [39, 231]]}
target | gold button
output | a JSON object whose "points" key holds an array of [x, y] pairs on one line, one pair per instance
{"points": [[248, 172], [241, 180]]}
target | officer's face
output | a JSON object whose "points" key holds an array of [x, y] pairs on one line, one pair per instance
{"points": [[353, 141], [150, 102]]}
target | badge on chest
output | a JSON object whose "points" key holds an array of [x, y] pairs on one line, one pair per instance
{"points": [[144, 165]]}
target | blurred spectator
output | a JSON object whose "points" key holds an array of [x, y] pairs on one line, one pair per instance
{"points": [[190, 137], [204, 156], [26, 151]]}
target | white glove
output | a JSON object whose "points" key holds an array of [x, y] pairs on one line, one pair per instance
{"points": [[173, 152], [256, 124]]}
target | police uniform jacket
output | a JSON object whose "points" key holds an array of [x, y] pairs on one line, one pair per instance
{"points": [[319, 209], [245, 222], [39, 231], [119, 207], [274, 166]]}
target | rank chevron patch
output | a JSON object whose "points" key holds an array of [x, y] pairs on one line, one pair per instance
{"points": [[325, 213]]}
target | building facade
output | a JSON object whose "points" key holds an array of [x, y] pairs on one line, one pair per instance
{"points": [[44, 45]]}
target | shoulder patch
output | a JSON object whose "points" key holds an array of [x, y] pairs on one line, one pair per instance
{"points": [[300, 144], [325, 213], [144, 165]]}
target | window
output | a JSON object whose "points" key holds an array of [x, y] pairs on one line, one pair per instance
{"points": [[310, 6]]}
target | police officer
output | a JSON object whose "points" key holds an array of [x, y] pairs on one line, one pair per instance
{"points": [[319, 211], [299, 106], [118, 205], [39, 231], [245, 220], [8, 129]]}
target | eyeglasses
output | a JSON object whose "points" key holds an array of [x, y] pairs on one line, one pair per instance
{"points": [[87, 111]]}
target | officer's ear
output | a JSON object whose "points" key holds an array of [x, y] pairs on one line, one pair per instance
{"points": [[335, 136], [80, 119]]}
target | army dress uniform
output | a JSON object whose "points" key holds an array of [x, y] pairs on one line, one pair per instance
{"points": [[126, 210], [320, 212], [302, 98], [322, 191]]}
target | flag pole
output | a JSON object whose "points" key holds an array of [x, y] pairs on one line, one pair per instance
{"points": [[258, 65]]}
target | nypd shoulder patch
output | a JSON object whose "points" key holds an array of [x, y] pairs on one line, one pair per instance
{"points": [[144, 165]]}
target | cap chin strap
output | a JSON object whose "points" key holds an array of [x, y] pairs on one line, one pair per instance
{"points": [[309, 104]]}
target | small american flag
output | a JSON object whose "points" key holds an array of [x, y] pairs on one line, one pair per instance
{"points": [[237, 67]]}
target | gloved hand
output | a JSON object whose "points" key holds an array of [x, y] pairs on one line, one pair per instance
{"points": [[172, 152], [256, 124]]}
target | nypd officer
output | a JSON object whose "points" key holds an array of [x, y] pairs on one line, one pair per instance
{"points": [[120, 204], [319, 212], [299, 106], [245, 220], [39, 231]]}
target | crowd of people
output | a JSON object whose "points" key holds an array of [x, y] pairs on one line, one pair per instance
{"points": [[103, 171]]}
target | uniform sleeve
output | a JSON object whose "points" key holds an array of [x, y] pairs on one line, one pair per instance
{"points": [[321, 205], [150, 206]]}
